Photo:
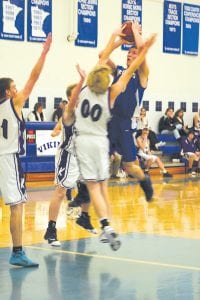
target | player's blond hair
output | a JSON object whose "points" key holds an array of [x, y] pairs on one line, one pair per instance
{"points": [[98, 79]]}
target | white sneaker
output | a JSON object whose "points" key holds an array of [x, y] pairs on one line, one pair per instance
{"points": [[103, 238], [73, 212], [121, 174], [112, 238], [55, 244], [160, 144]]}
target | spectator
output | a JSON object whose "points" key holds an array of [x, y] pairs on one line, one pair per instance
{"points": [[196, 123], [144, 152], [178, 120], [191, 152], [58, 112], [143, 123], [37, 114], [167, 124]]}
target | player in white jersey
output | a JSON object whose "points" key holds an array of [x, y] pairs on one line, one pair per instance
{"points": [[92, 115], [12, 183], [66, 177]]}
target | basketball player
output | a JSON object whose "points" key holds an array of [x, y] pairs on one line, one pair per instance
{"points": [[92, 115], [125, 109], [12, 126], [66, 176]]}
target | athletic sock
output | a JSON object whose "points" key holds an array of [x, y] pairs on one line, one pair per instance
{"points": [[51, 224], [84, 213], [17, 249], [104, 222]]}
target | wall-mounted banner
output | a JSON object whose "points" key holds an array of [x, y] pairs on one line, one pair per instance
{"points": [[39, 20], [45, 143], [87, 23], [191, 20], [12, 20], [131, 11], [172, 27]]}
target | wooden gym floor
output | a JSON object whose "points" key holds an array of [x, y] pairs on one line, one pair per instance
{"points": [[159, 257]]}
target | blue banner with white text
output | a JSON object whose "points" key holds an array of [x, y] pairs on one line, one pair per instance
{"points": [[12, 20], [39, 20], [172, 27], [131, 11], [191, 19], [87, 23]]}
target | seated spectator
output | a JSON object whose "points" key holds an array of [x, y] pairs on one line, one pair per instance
{"points": [[144, 152], [196, 123], [191, 151], [58, 112], [37, 114], [167, 124], [142, 122], [178, 119]]}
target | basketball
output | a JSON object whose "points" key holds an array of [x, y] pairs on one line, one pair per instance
{"points": [[128, 32]]}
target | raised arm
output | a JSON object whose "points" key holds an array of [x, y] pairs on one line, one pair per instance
{"points": [[70, 108], [57, 129], [23, 95], [120, 85], [114, 42], [143, 69]]}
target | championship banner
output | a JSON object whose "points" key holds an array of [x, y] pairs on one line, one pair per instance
{"points": [[191, 20], [87, 23], [12, 20], [172, 27], [131, 11], [45, 143], [39, 20]]}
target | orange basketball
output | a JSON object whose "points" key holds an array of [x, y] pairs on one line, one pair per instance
{"points": [[128, 32]]}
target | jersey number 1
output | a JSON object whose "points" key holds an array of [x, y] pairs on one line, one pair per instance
{"points": [[4, 127]]}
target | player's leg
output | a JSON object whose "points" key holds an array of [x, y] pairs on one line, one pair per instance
{"points": [[14, 194]]}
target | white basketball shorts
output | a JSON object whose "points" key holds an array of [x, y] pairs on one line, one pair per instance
{"points": [[67, 171], [93, 157], [12, 182]]}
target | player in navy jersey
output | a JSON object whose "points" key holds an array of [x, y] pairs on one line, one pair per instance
{"points": [[12, 183], [92, 115], [125, 110]]}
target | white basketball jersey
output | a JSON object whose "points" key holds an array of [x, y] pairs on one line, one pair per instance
{"points": [[11, 129], [92, 113]]}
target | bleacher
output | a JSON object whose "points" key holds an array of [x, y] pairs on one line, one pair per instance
{"points": [[43, 167], [170, 154], [172, 147]]}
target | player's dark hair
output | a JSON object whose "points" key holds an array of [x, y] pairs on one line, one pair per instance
{"points": [[4, 85]]}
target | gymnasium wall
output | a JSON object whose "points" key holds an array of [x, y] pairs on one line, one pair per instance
{"points": [[172, 77]]}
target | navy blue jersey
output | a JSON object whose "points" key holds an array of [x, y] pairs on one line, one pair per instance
{"points": [[189, 146], [67, 137], [120, 126], [127, 101]]}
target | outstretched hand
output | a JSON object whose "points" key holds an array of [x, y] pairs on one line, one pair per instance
{"points": [[120, 36], [81, 72], [148, 43], [136, 27]]}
